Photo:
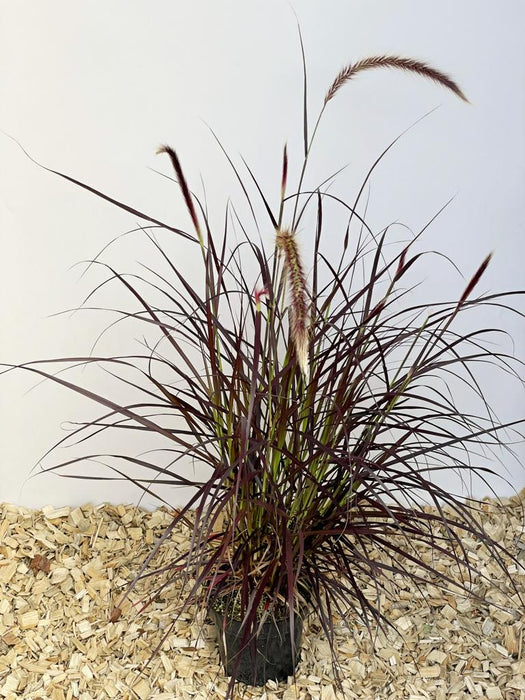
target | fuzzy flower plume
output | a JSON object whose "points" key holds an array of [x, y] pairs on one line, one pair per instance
{"points": [[299, 298]]}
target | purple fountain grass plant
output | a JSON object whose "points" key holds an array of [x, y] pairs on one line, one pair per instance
{"points": [[311, 404]]}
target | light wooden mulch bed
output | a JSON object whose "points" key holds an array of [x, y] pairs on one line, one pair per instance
{"points": [[61, 571]]}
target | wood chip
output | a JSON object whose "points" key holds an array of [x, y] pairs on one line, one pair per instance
{"points": [[7, 571], [142, 689], [437, 656], [40, 563], [56, 513], [28, 620]]}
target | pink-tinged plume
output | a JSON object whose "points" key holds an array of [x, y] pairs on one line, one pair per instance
{"points": [[258, 295]]}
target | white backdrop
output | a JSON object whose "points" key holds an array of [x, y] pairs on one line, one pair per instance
{"points": [[91, 89]]}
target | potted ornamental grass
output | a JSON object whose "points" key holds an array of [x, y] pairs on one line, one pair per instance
{"points": [[316, 397]]}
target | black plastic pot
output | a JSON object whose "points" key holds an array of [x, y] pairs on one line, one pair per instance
{"points": [[269, 657]]}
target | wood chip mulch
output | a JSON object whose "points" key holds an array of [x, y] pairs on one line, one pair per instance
{"points": [[62, 569]]}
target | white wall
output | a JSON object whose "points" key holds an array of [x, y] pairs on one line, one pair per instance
{"points": [[92, 88]]}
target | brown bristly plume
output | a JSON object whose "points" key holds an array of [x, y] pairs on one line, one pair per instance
{"points": [[184, 187], [284, 176], [407, 64], [299, 304], [475, 279]]}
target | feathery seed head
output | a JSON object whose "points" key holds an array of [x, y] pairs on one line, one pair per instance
{"points": [[299, 308], [406, 64], [184, 187]]}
